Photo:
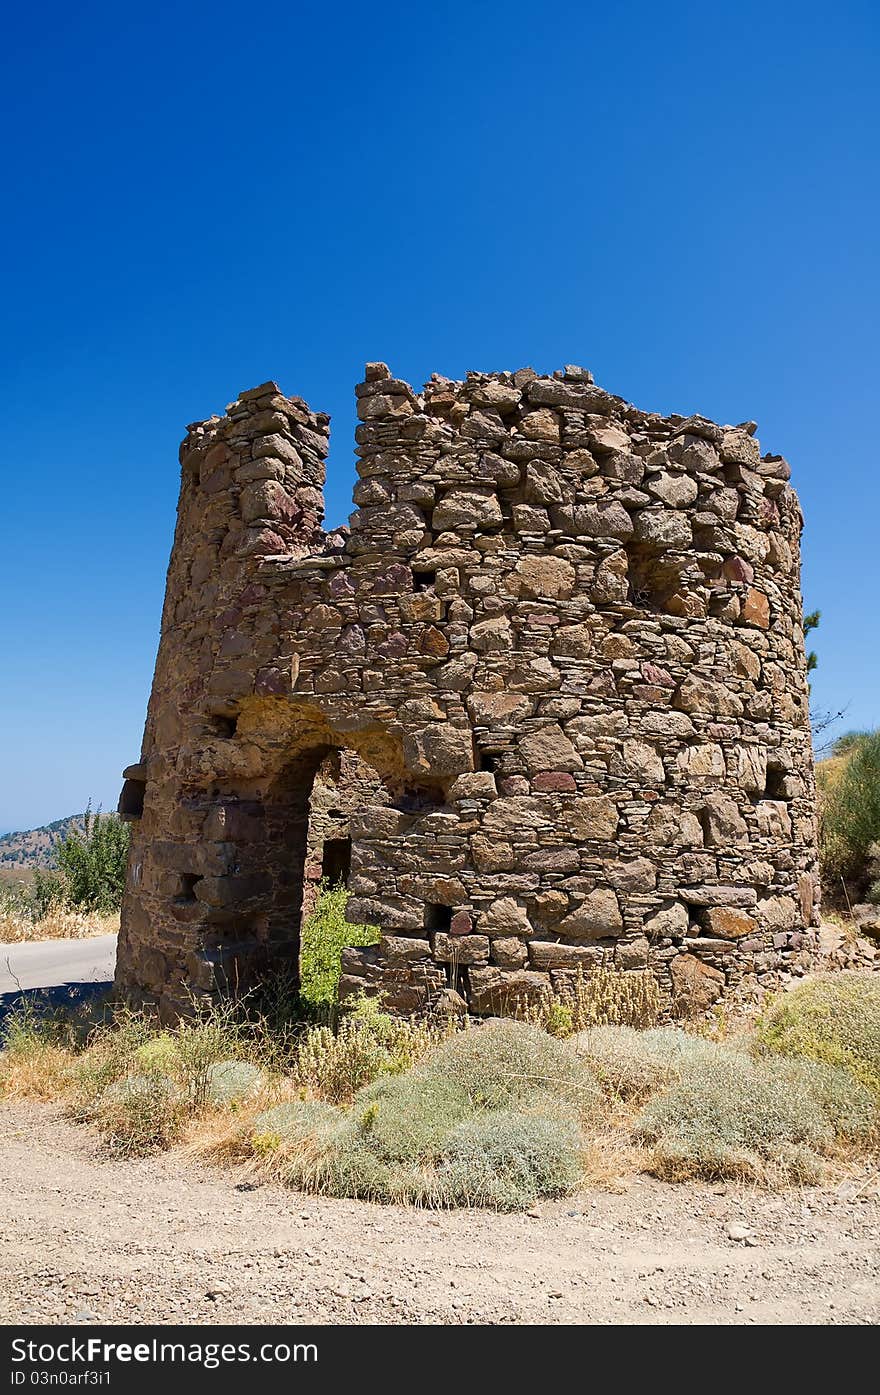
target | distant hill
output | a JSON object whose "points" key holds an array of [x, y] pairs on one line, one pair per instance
{"points": [[36, 848]]}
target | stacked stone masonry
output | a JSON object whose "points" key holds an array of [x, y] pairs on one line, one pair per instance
{"points": [[558, 659]]}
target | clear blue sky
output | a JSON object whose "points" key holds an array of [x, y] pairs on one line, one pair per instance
{"points": [[684, 198]]}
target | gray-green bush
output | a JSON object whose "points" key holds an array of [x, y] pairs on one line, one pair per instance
{"points": [[230, 1082], [506, 1065], [633, 1064], [757, 1119], [508, 1160], [492, 1117]]}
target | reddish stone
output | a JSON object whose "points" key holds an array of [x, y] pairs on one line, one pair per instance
{"points": [[554, 780], [652, 673], [395, 646], [340, 585], [513, 784], [756, 609], [396, 578], [738, 569], [461, 924]]}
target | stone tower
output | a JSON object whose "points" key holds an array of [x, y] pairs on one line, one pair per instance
{"points": [[561, 649]]}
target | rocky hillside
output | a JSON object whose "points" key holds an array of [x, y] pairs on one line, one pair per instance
{"points": [[36, 847]]}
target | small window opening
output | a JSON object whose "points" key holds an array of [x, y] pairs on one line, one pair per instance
{"points": [[489, 760], [423, 581], [418, 800], [131, 800], [438, 917], [336, 861], [187, 893], [652, 577], [223, 727], [775, 785]]}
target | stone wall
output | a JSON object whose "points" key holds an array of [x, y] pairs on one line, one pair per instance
{"points": [[566, 637]]}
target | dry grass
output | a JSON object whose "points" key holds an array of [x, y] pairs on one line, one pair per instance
{"points": [[59, 923], [42, 1073], [367, 1044], [38, 1061]]}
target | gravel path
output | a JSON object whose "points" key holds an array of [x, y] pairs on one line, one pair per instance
{"points": [[85, 1237]]}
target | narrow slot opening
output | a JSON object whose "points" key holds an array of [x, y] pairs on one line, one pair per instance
{"points": [[774, 787], [336, 861], [416, 800]]}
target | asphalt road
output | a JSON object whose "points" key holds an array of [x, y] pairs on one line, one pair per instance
{"points": [[56, 963]]}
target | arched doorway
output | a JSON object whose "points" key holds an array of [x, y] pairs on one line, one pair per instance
{"points": [[308, 810]]}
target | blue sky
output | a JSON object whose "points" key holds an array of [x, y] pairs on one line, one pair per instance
{"points": [[683, 198]]}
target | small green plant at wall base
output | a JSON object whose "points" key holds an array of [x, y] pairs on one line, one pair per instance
{"points": [[325, 933], [558, 1018]]}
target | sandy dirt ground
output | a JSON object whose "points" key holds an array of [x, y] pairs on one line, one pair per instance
{"points": [[85, 1237]]}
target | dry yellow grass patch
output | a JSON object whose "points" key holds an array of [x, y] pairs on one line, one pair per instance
{"points": [[57, 924], [44, 1072]]}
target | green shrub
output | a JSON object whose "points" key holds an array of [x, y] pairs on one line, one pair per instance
{"points": [[93, 862], [325, 933], [761, 1120], [47, 891], [634, 1064], [506, 1064], [850, 810], [833, 1018], [159, 1053], [508, 1161]]}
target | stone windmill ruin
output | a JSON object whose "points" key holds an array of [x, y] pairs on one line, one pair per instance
{"points": [[543, 706]]}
